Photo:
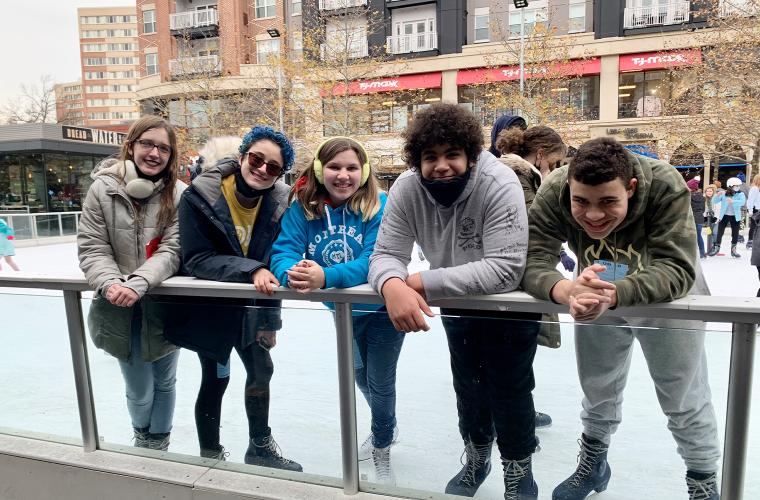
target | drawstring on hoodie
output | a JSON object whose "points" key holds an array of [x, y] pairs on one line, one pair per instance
{"points": [[329, 225]]}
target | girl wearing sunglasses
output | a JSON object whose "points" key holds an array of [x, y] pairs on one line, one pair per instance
{"points": [[229, 218]]}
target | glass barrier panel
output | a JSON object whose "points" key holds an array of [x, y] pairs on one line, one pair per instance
{"points": [[643, 456], [22, 226], [69, 224], [37, 394], [295, 370], [47, 225]]}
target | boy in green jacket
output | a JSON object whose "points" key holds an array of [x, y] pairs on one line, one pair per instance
{"points": [[626, 217]]}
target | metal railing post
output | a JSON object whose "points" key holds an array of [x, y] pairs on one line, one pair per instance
{"points": [[737, 411], [60, 225], [82, 381], [345, 337], [33, 224]]}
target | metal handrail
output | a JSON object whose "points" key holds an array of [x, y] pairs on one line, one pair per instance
{"points": [[33, 229], [743, 313], [655, 15]]}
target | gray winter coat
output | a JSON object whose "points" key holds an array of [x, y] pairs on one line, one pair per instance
{"points": [[112, 241]]}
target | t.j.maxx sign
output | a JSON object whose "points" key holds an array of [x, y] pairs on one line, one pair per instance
{"points": [[93, 135]]}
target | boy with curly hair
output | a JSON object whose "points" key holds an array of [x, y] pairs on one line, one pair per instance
{"points": [[467, 212], [623, 216]]}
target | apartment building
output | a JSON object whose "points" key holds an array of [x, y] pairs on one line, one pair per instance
{"points": [[108, 50], [69, 103], [618, 53]]}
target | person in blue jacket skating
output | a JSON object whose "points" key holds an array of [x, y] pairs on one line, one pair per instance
{"points": [[731, 202], [328, 234]]}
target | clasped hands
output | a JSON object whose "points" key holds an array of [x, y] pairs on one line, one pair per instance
{"points": [[303, 277], [588, 296]]}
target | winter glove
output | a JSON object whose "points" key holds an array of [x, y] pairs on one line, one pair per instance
{"points": [[567, 262]]}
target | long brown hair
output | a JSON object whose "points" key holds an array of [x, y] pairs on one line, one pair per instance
{"points": [[526, 142], [756, 181], [138, 128], [312, 195]]}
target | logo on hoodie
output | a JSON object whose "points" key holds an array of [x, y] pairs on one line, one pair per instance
{"points": [[605, 251], [334, 253], [468, 236]]}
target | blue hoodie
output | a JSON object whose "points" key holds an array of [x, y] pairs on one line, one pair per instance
{"points": [[341, 242]]}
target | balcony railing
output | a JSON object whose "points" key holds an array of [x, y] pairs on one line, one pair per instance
{"points": [[656, 15], [340, 4], [328, 51], [195, 65], [404, 44], [194, 19]]}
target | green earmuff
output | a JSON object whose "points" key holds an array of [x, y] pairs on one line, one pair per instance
{"points": [[319, 174]]}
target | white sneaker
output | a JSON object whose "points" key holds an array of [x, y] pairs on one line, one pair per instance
{"points": [[381, 457], [365, 450]]}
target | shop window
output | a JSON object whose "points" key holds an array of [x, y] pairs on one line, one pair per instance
{"points": [[643, 94]]}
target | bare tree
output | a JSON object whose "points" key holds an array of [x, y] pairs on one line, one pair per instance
{"points": [[718, 100], [35, 104]]}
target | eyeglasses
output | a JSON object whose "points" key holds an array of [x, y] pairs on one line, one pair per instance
{"points": [[147, 145], [255, 161]]}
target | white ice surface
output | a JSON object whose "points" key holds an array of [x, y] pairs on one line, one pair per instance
{"points": [[38, 394]]}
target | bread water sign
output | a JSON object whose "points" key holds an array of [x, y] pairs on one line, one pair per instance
{"points": [[93, 135]]}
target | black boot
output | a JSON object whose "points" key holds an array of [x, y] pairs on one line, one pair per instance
{"points": [[734, 253], [543, 420], [714, 250], [216, 453], [264, 452], [593, 472], [518, 480], [159, 442], [475, 470], [702, 485]]}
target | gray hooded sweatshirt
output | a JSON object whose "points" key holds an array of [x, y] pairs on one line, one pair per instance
{"points": [[478, 245]]}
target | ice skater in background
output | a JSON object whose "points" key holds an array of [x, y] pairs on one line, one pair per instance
{"points": [[327, 237], [6, 245]]}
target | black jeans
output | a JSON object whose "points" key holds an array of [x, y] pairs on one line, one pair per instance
{"points": [[726, 220], [492, 368], [208, 406]]}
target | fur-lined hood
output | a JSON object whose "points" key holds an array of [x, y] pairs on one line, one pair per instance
{"points": [[521, 166]]}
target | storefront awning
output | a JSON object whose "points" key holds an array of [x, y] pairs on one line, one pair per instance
{"points": [[686, 167], [658, 60], [641, 150], [390, 84], [506, 73], [732, 165]]}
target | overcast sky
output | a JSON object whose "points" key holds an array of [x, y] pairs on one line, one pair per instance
{"points": [[40, 37]]}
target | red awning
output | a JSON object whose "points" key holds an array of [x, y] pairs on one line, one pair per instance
{"points": [[405, 82], [505, 73], [657, 60]]}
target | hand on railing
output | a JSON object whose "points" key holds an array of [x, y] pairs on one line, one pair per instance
{"points": [[405, 305]]}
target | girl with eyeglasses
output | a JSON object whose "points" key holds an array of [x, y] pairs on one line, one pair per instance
{"points": [[229, 219], [128, 242], [338, 196]]}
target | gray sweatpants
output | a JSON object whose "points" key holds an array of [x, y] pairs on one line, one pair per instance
{"points": [[678, 366]]}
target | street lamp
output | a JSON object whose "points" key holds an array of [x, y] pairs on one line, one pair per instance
{"points": [[275, 33], [521, 4]]}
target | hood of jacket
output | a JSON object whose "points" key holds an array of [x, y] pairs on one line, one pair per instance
{"points": [[112, 171], [520, 165], [501, 123]]}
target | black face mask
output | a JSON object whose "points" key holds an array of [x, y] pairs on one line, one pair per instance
{"points": [[247, 191], [446, 192]]}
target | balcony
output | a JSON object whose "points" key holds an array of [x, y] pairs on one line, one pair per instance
{"points": [[656, 15], [195, 24], [333, 50], [195, 66], [405, 44], [326, 5]]}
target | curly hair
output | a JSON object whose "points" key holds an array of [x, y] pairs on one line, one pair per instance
{"points": [[259, 132], [600, 160], [442, 124], [526, 142]]}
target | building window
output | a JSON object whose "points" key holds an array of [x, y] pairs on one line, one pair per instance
{"points": [[151, 64], [266, 48], [296, 8], [265, 8], [482, 25], [577, 18], [533, 17], [149, 21], [642, 94]]}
